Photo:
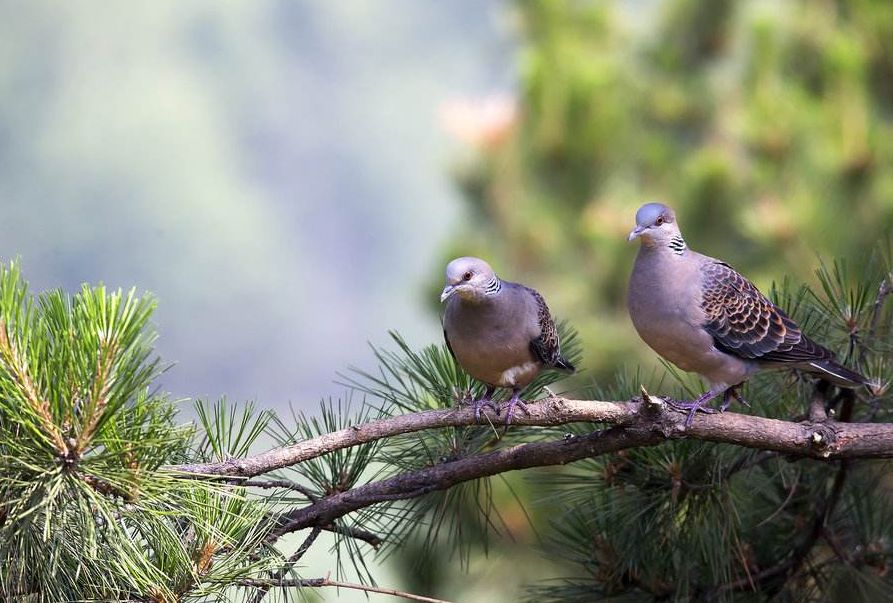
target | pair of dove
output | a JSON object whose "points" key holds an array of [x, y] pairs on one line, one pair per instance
{"points": [[693, 310]]}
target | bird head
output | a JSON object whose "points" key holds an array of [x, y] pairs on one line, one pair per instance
{"points": [[655, 224], [470, 278]]}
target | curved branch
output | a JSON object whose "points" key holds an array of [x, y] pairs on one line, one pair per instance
{"points": [[818, 439], [652, 424], [551, 411], [440, 477]]}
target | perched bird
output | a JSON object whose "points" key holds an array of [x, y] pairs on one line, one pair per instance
{"points": [[501, 333], [701, 315]]}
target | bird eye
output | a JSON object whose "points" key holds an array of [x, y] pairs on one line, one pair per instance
{"points": [[466, 276], [660, 220]]}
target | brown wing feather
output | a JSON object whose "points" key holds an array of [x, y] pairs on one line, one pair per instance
{"points": [[547, 346], [743, 322]]}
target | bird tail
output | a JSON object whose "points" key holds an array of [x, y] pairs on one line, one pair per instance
{"points": [[563, 364], [836, 373]]}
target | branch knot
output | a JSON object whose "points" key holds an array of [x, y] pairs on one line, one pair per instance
{"points": [[822, 438]]}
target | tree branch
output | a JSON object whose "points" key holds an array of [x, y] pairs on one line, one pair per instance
{"points": [[370, 538], [440, 477], [562, 411], [276, 483], [818, 439], [652, 424]]}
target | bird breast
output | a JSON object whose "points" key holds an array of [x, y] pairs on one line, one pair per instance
{"points": [[492, 343], [665, 309], [664, 304]]}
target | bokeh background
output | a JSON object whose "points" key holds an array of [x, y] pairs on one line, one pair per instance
{"points": [[274, 172], [289, 177]]}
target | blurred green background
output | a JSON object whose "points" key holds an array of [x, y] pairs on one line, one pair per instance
{"points": [[273, 171], [289, 178]]}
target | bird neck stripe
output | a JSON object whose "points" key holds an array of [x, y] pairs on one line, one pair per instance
{"points": [[494, 286], [677, 244]]}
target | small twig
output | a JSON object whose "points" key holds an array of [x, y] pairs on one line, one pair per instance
{"points": [[277, 577], [817, 411], [748, 581], [885, 289], [277, 483], [324, 582], [781, 507], [102, 383], [103, 487], [831, 539], [825, 510], [748, 461], [650, 403], [370, 538], [646, 399]]}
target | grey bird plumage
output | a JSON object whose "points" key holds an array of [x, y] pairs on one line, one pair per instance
{"points": [[704, 317], [501, 333]]}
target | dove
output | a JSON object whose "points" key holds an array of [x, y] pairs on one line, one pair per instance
{"points": [[701, 315], [500, 333]]}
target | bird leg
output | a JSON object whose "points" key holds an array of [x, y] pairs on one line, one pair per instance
{"points": [[727, 396], [694, 406], [486, 400], [510, 405]]}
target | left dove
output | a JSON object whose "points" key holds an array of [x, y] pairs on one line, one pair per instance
{"points": [[501, 333]]}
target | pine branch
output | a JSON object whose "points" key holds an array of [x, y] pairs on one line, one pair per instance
{"points": [[18, 369], [562, 411], [370, 538], [277, 483], [827, 506], [884, 289], [645, 428], [413, 484], [822, 439], [323, 582], [102, 383]]}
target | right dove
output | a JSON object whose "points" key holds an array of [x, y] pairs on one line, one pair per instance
{"points": [[701, 315]]}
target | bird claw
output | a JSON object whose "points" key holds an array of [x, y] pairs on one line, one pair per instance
{"points": [[693, 407], [514, 401], [479, 404], [510, 408], [727, 396]]}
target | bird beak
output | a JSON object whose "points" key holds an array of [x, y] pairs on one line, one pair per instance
{"points": [[447, 291], [635, 233]]}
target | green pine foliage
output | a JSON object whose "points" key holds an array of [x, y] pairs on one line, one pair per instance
{"points": [[89, 512], [767, 125], [85, 512]]}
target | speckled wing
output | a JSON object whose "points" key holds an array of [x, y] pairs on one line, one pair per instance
{"points": [[743, 322], [547, 347]]}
